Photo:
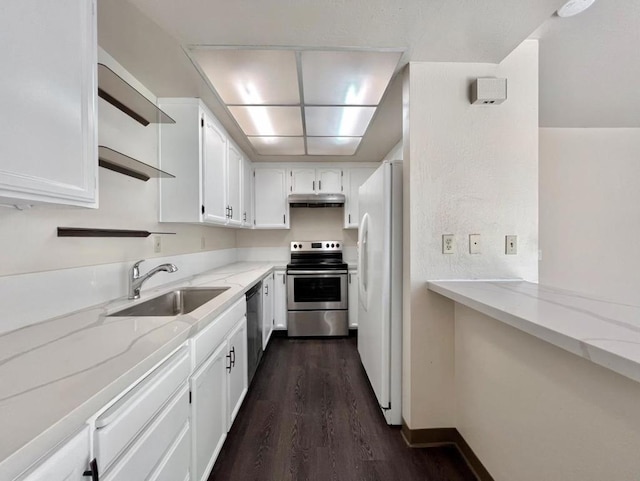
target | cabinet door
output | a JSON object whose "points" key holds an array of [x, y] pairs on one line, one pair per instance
{"points": [[66, 464], [356, 177], [48, 93], [303, 181], [214, 162], [247, 194], [329, 181], [280, 300], [352, 293], [271, 208], [238, 376], [267, 310], [234, 186], [208, 412]]}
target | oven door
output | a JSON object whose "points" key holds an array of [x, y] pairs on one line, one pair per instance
{"points": [[316, 290]]}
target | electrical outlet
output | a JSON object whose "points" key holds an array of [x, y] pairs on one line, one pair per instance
{"points": [[448, 244], [511, 245], [474, 244], [157, 244]]}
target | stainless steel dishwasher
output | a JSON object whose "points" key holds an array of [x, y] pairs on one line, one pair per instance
{"points": [[254, 328]]}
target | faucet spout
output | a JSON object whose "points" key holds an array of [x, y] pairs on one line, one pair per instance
{"points": [[136, 280]]}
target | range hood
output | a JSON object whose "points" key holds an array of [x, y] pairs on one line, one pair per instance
{"points": [[316, 200]]}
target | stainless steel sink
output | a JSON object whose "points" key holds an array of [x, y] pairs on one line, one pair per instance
{"points": [[180, 301]]}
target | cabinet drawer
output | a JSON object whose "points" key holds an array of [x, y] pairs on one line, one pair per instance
{"points": [[205, 342], [118, 425], [175, 465], [145, 454]]}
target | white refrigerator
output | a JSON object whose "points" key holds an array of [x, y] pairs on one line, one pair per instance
{"points": [[380, 286]]}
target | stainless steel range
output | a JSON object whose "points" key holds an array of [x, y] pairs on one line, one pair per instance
{"points": [[317, 290]]}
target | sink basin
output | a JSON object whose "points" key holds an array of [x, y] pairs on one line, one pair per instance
{"points": [[174, 303]]}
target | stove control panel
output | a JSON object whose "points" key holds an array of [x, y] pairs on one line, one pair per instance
{"points": [[316, 246]]}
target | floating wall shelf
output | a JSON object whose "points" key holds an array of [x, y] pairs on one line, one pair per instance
{"points": [[91, 232], [123, 96], [123, 164]]}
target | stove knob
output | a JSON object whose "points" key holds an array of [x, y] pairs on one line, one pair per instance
{"points": [[333, 245], [295, 246], [337, 245], [327, 245]]}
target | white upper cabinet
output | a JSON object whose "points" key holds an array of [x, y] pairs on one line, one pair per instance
{"points": [[247, 193], [214, 167], [329, 181], [315, 181], [355, 177], [271, 208], [234, 186], [48, 93]]}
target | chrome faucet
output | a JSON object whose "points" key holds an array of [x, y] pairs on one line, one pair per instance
{"points": [[136, 280]]}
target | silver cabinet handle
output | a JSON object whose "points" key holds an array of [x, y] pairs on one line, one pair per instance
{"points": [[319, 185], [314, 185]]}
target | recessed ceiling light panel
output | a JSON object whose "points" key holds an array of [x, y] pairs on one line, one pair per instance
{"points": [[346, 78], [338, 121], [332, 145], [574, 7], [251, 77], [278, 145], [268, 121]]}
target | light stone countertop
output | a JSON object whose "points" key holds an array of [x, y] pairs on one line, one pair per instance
{"points": [[56, 374], [604, 332]]}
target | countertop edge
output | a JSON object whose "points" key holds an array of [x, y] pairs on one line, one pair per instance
{"points": [[605, 358]]}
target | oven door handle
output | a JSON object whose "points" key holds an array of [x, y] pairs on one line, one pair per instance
{"points": [[325, 273], [363, 261]]}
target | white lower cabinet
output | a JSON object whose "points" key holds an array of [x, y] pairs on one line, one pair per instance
{"points": [[208, 412], [267, 310], [280, 300], [352, 293], [218, 386], [67, 464], [175, 466], [237, 374], [143, 458]]}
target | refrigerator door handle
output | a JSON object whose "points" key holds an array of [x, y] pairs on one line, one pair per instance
{"points": [[363, 261]]}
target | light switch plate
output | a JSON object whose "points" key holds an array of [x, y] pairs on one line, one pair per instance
{"points": [[474, 244], [511, 245], [448, 244], [157, 244]]}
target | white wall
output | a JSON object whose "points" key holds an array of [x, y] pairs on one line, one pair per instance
{"points": [[532, 412], [590, 211], [468, 170]]}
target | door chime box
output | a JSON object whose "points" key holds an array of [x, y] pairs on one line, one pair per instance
{"points": [[488, 91]]}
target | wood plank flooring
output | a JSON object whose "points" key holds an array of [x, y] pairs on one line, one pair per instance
{"points": [[311, 415]]}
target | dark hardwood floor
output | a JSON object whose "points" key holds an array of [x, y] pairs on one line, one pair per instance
{"points": [[311, 415]]}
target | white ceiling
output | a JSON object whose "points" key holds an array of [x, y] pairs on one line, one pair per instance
{"points": [[582, 80]]}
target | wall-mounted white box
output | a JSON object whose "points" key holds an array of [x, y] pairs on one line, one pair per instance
{"points": [[488, 91]]}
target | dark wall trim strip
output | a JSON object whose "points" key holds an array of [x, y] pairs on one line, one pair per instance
{"points": [[420, 438]]}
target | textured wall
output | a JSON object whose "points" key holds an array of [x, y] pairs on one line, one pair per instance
{"points": [[590, 211], [469, 170], [533, 412]]}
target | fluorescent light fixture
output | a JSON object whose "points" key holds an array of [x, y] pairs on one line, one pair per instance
{"points": [[332, 145], [251, 77], [268, 121], [346, 77], [574, 7], [261, 88], [278, 145], [338, 121]]}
